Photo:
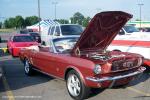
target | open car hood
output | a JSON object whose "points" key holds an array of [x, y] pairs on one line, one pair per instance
{"points": [[101, 30]]}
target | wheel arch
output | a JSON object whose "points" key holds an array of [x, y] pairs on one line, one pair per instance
{"points": [[75, 69], [25, 58]]}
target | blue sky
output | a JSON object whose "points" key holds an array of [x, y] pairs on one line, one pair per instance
{"points": [[66, 8]]}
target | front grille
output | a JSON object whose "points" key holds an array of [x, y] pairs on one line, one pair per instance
{"points": [[124, 64]]}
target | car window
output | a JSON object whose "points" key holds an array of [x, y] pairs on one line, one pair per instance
{"points": [[23, 39], [34, 34], [71, 29], [49, 31], [130, 29], [57, 31], [52, 30], [25, 31]]}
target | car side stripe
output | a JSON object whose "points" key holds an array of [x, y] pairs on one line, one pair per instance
{"points": [[133, 43]]}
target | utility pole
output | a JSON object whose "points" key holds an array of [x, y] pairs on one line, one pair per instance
{"points": [[39, 15], [140, 5], [55, 3]]}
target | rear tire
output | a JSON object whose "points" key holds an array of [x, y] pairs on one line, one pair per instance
{"points": [[76, 87], [28, 68]]}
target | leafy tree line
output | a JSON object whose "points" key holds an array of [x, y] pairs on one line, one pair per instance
{"points": [[20, 22], [77, 18]]}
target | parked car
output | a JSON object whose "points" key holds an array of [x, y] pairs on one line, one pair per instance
{"points": [[130, 39], [0, 39], [25, 31], [36, 36], [147, 29], [60, 30], [83, 62], [19, 41]]}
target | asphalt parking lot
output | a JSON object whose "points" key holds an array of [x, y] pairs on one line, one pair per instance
{"points": [[15, 85]]}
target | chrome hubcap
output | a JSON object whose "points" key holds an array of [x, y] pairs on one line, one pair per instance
{"points": [[73, 85], [26, 67]]}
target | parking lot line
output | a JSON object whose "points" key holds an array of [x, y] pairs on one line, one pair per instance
{"points": [[9, 93], [138, 91]]}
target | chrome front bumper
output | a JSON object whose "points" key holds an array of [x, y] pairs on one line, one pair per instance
{"points": [[93, 79]]}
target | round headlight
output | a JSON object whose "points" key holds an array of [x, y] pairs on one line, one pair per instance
{"points": [[97, 69]]}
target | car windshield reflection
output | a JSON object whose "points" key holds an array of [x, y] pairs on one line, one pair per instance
{"points": [[23, 39], [64, 45], [71, 29], [130, 29]]}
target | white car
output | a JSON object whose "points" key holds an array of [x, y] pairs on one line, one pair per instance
{"points": [[132, 40], [60, 30]]}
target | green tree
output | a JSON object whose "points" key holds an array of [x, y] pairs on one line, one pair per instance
{"points": [[10, 23], [31, 20], [6, 23], [77, 18], [86, 21], [19, 21], [62, 21], [1, 25]]}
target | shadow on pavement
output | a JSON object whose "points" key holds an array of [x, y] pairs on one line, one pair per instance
{"points": [[95, 91], [13, 70], [141, 78], [142, 97]]}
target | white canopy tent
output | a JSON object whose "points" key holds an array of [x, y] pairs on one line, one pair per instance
{"points": [[43, 24]]}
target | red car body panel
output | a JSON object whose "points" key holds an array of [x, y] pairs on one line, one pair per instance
{"points": [[114, 63], [14, 47], [57, 64]]}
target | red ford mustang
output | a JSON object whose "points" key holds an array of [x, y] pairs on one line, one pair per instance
{"points": [[83, 62], [16, 42]]}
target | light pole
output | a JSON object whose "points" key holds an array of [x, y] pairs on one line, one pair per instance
{"points": [[39, 15], [140, 5], [55, 3]]}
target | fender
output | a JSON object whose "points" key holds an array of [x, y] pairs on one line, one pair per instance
{"points": [[77, 70]]}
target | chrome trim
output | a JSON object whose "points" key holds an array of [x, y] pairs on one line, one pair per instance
{"points": [[94, 79]]}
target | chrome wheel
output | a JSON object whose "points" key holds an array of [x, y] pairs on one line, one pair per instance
{"points": [[27, 67], [74, 86]]}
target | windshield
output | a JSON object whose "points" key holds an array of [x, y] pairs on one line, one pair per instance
{"points": [[71, 29], [23, 39], [64, 44], [130, 29], [34, 34]]}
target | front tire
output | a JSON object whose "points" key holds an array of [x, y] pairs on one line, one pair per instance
{"points": [[28, 68], [75, 86]]}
